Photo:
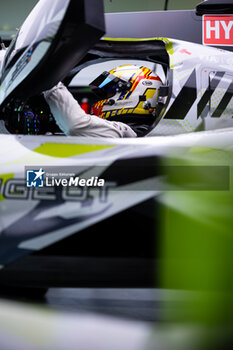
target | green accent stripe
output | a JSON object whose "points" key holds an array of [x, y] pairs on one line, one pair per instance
{"points": [[68, 150], [166, 40], [4, 178]]}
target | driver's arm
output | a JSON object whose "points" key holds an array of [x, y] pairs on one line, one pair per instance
{"points": [[72, 120]]}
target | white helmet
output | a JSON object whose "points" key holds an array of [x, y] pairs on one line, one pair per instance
{"points": [[128, 94]]}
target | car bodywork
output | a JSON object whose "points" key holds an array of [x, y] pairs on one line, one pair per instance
{"points": [[36, 224]]}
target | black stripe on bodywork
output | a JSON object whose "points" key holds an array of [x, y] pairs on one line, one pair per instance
{"points": [[185, 99], [209, 92], [224, 102]]}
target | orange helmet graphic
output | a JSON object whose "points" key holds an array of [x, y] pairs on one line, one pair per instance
{"points": [[128, 94]]}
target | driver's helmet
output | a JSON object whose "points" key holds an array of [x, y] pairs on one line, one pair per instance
{"points": [[128, 94]]}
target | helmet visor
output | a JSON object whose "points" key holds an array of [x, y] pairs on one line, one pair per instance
{"points": [[107, 85]]}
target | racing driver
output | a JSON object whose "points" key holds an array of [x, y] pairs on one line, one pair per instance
{"points": [[126, 107]]}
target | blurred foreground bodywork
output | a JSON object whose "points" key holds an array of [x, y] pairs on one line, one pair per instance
{"points": [[197, 246]]}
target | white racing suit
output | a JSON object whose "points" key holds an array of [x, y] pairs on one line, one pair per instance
{"points": [[72, 119]]}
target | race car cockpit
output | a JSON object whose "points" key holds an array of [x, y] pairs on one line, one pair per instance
{"points": [[39, 56], [32, 116], [196, 91]]}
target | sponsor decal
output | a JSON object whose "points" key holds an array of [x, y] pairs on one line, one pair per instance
{"points": [[147, 82], [217, 30]]}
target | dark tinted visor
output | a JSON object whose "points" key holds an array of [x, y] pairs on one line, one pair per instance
{"points": [[106, 85]]}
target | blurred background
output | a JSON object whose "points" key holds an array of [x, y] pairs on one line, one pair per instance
{"points": [[13, 12]]}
